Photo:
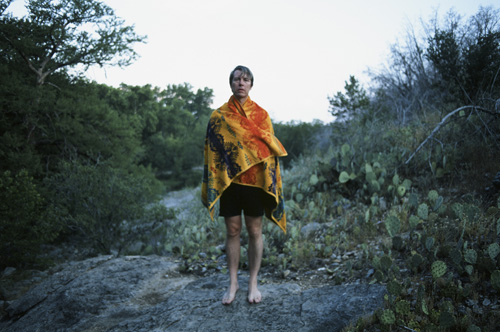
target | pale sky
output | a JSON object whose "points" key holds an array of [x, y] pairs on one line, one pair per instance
{"points": [[300, 51]]}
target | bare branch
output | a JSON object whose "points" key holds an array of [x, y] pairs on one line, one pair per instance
{"points": [[440, 124]]}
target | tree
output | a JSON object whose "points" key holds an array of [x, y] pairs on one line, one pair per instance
{"points": [[66, 33], [172, 124], [466, 56], [345, 105]]}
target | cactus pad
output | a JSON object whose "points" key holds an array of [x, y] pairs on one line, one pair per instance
{"points": [[432, 196], [313, 180], [387, 317], [394, 288], [446, 320], [403, 307], [493, 250], [438, 269], [414, 220], [456, 256], [401, 190], [393, 225], [397, 243], [470, 256], [423, 211], [385, 262], [416, 261]]}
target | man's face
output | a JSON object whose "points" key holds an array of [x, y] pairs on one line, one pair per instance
{"points": [[241, 85]]}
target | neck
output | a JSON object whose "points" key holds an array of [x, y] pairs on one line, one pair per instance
{"points": [[241, 100]]}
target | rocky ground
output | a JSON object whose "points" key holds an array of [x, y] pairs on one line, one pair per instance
{"points": [[153, 293], [147, 293]]}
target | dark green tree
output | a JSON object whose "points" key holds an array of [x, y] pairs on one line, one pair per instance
{"points": [[300, 138], [64, 34], [466, 56], [51, 117], [344, 105]]}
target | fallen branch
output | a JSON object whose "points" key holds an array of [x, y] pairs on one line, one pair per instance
{"points": [[440, 124]]}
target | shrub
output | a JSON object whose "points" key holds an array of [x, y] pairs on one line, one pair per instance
{"points": [[105, 205], [23, 221]]}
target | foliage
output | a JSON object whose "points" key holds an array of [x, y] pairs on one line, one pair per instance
{"points": [[23, 220], [301, 138], [466, 57], [63, 34], [344, 106], [91, 152], [84, 160], [427, 230], [102, 204]]}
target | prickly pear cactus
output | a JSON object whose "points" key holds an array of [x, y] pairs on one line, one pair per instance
{"points": [[401, 190], [413, 200], [438, 205], [394, 287], [393, 225], [470, 256], [344, 177], [414, 220], [416, 260], [397, 243], [395, 180], [313, 180], [403, 307], [387, 317], [385, 262], [438, 269], [432, 196], [423, 211], [493, 250], [473, 328], [456, 256], [429, 243], [495, 280], [446, 320]]}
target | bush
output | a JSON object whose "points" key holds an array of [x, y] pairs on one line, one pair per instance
{"points": [[105, 205], [23, 222]]}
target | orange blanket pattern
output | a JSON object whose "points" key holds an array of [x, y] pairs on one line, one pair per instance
{"points": [[240, 147]]}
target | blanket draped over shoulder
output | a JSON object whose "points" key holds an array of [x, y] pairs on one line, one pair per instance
{"points": [[240, 147]]}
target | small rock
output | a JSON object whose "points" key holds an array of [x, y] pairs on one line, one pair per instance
{"points": [[8, 271], [309, 229]]}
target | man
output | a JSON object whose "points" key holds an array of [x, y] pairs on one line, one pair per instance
{"points": [[242, 170]]}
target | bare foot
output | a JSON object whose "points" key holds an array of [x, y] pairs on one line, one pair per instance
{"points": [[230, 295], [254, 295]]}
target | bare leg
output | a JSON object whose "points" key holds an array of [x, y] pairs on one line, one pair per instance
{"points": [[255, 249], [233, 231]]}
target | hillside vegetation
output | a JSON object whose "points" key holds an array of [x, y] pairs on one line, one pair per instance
{"points": [[402, 189]]}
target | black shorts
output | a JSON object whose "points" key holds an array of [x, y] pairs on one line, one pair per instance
{"points": [[237, 198]]}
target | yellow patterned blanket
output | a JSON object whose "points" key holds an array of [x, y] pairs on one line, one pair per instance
{"points": [[240, 147]]}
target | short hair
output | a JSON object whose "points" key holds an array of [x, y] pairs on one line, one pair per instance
{"points": [[245, 70]]}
